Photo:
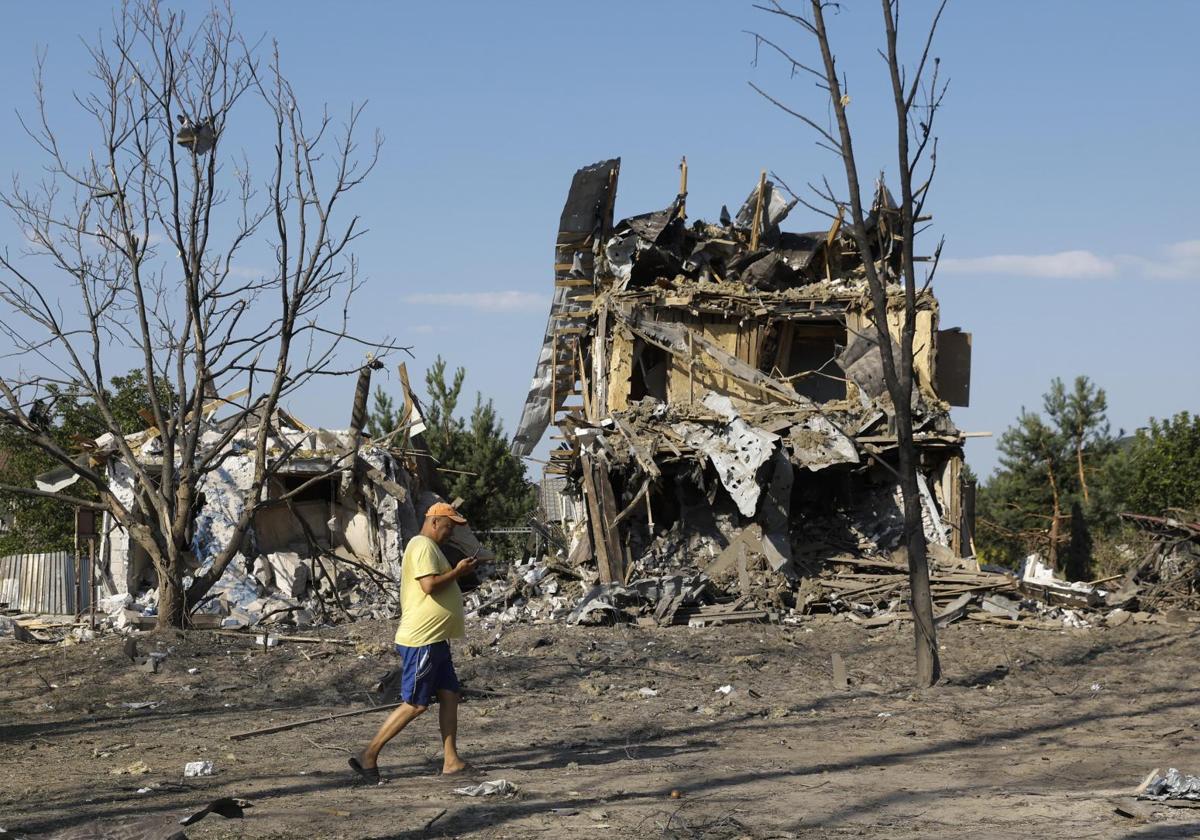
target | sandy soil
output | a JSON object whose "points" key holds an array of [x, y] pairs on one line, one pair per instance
{"points": [[1033, 733]]}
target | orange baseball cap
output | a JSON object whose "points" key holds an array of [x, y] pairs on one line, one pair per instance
{"points": [[443, 509]]}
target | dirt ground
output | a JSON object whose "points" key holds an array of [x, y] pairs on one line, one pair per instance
{"points": [[1033, 733]]}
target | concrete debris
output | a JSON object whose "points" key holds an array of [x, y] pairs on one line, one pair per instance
{"points": [[194, 769], [664, 595]]}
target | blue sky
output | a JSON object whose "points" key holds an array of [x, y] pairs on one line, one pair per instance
{"points": [[1067, 189]]}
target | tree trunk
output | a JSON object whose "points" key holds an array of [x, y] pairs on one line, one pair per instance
{"points": [[1054, 519], [929, 668], [171, 611], [1079, 461]]}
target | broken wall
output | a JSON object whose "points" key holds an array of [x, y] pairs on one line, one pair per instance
{"points": [[363, 515]]}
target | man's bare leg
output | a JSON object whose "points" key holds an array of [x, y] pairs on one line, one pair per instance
{"points": [[448, 722], [400, 717]]}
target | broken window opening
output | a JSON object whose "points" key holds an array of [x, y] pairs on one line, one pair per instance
{"points": [[806, 355], [275, 526], [649, 375], [319, 491]]}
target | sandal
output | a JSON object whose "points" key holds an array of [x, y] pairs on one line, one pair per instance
{"points": [[369, 774]]}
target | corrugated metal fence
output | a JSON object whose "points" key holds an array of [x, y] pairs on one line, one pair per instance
{"points": [[44, 583], [556, 505]]}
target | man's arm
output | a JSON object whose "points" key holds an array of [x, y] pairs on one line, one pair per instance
{"points": [[432, 583]]}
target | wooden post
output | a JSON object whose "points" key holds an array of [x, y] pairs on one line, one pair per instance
{"points": [[691, 369], [682, 186], [78, 569], [583, 383], [758, 209], [92, 578]]}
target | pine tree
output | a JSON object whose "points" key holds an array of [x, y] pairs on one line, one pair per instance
{"points": [[1080, 418], [1030, 503], [472, 457], [384, 417]]}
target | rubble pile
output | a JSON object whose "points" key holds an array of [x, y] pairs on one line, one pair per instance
{"points": [[709, 377], [1168, 576], [722, 418], [324, 544]]}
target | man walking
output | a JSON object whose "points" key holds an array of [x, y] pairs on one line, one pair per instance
{"points": [[431, 607]]}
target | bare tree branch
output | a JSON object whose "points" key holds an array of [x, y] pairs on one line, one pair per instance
{"points": [[139, 249]]}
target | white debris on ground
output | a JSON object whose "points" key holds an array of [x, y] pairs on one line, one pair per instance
{"points": [[1172, 785]]}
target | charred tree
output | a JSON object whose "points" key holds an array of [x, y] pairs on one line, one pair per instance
{"points": [[916, 101]]}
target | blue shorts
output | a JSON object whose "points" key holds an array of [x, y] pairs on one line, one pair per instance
{"points": [[424, 671]]}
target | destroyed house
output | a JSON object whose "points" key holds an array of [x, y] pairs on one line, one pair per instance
{"points": [[326, 539], [720, 384]]}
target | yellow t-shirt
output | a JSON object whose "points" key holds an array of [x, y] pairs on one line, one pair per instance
{"points": [[425, 619]]}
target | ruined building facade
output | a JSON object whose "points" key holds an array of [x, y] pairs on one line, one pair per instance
{"points": [[720, 384]]}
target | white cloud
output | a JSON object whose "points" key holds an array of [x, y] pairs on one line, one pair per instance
{"points": [[506, 301], [246, 272], [1178, 261], [1064, 264]]}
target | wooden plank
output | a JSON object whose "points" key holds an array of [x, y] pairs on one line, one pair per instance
{"points": [[727, 560], [644, 458], [383, 482], [758, 210], [674, 339], [596, 521], [633, 504], [717, 619], [608, 509]]}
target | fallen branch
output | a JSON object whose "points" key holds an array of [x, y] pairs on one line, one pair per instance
{"points": [[434, 819], [283, 727], [310, 639]]}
